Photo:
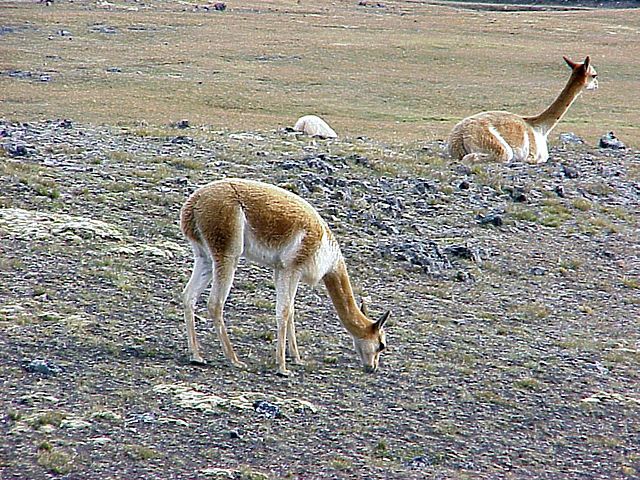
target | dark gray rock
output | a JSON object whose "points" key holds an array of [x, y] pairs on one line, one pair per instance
{"points": [[491, 219], [45, 367], [267, 409], [609, 140]]}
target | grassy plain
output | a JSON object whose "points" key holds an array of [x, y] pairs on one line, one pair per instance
{"points": [[403, 72]]}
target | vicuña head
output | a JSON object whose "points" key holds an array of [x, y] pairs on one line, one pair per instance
{"points": [[504, 136], [234, 218]]}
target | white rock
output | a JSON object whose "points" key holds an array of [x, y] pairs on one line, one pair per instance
{"points": [[314, 126]]}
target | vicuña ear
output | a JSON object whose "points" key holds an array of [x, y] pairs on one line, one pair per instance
{"points": [[363, 308], [381, 321], [570, 62], [586, 62]]}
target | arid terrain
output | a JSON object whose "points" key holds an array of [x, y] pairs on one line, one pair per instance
{"points": [[514, 342]]}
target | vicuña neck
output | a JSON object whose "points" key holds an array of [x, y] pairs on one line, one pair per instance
{"points": [[339, 288], [548, 119]]}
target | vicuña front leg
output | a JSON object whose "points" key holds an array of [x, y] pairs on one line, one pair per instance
{"points": [[286, 288]]}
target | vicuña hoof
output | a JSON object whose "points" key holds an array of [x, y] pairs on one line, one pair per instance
{"points": [[197, 360]]}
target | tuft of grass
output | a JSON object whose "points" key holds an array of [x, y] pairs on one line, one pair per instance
{"points": [[54, 460], [341, 464], [141, 453], [582, 204], [631, 282], [527, 384], [49, 418]]}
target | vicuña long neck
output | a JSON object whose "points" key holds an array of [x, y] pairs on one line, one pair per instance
{"points": [[339, 288], [548, 119]]}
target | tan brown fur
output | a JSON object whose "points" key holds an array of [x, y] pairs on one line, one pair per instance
{"points": [[504, 136], [231, 218]]}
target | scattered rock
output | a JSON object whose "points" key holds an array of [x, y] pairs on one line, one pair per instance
{"points": [[538, 271], [106, 29], [517, 194], [267, 409], [75, 424], [182, 124], [463, 251], [569, 171], [182, 140], [609, 140], [220, 6], [491, 219], [45, 367], [572, 138], [419, 462], [64, 33], [16, 150], [559, 191]]}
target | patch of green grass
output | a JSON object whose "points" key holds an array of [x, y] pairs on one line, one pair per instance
{"points": [[381, 449], [631, 282], [341, 464], [119, 187], [527, 384], [32, 176], [49, 418], [523, 214], [600, 188], [554, 213], [141, 453], [597, 224], [54, 460], [582, 204], [185, 163]]}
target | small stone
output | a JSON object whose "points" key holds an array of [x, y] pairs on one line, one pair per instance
{"points": [[220, 6], [42, 366], [571, 137], [569, 171], [182, 124], [64, 33], [182, 140], [491, 219], [538, 271], [559, 191], [609, 140], [464, 185], [267, 409], [16, 150]]}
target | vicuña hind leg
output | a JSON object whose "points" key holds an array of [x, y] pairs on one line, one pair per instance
{"points": [[200, 278], [220, 288], [486, 144]]}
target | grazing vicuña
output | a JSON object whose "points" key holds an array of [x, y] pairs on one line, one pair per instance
{"points": [[234, 218]]}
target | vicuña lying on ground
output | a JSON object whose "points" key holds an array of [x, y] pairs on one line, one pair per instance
{"points": [[504, 136], [234, 218]]}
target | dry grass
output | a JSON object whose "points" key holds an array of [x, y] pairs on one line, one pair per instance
{"points": [[401, 73]]}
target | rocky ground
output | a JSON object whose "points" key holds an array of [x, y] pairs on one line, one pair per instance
{"points": [[514, 343]]}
